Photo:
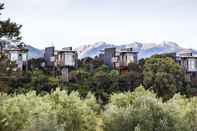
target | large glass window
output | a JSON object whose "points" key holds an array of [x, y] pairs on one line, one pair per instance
{"points": [[192, 64]]}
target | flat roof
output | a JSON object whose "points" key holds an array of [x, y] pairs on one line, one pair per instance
{"points": [[63, 51], [127, 52], [187, 56], [16, 49]]}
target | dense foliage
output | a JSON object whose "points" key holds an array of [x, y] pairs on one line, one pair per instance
{"points": [[164, 76], [102, 81], [52, 112], [36, 80], [158, 73], [142, 111]]}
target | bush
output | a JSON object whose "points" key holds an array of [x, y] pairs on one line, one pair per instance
{"points": [[141, 111], [72, 113], [52, 112]]}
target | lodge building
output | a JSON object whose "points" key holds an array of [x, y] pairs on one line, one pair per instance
{"points": [[119, 59]]}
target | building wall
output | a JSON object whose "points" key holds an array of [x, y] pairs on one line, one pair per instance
{"points": [[128, 58], [109, 53], [67, 58], [60, 59], [70, 59], [18, 56], [124, 58], [48, 54], [192, 64], [189, 65]]}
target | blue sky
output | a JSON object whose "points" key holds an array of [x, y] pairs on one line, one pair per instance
{"points": [[77, 22]]}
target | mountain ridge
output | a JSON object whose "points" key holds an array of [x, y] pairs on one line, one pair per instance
{"points": [[145, 49], [91, 50]]}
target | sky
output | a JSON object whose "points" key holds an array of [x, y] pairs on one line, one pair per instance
{"points": [[65, 23]]}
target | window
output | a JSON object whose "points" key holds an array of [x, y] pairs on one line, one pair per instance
{"points": [[192, 64]]}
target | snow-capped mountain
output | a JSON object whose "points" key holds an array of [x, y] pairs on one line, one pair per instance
{"points": [[145, 49], [164, 47], [92, 50]]}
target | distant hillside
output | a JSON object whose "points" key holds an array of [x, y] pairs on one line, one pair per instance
{"points": [[145, 49], [34, 52]]}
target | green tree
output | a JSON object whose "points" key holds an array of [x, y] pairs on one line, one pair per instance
{"points": [[8, 29], [56, 111], [163, 76], [81, 81], [36, 80], [132, 79], [102, 86], [141, 110]]}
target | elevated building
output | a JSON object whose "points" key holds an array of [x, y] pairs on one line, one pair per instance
{"points": [[18, 55], [122, 59], [65, 60], [188, 61], [109, 53], [49, 56], [15, 52], [119, 59]]}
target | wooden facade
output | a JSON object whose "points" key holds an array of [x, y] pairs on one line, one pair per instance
{"points": [[120, 58], [65, 60]]}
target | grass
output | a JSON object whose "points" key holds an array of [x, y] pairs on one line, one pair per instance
{"points": [[99, 123]]}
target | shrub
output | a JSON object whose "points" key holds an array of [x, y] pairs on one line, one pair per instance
{"points": [[143, 112], [52, 112], [72, 113]]}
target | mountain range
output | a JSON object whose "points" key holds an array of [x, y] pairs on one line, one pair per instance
{"points": [[145, 49], [34, 52]]}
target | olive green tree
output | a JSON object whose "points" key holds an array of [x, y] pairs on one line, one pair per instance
{"points": [[163, 76]]}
